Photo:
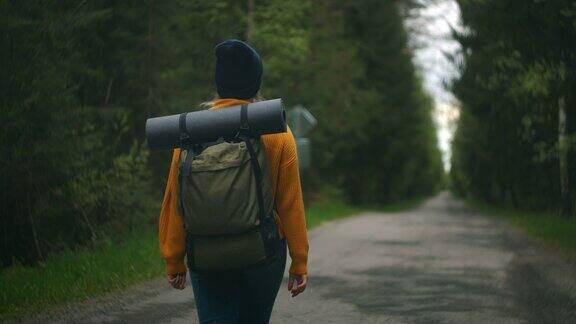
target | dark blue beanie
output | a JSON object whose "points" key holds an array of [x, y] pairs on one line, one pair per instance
{"points": [[238, 70]]}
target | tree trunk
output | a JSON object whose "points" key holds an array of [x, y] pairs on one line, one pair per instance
{"points": [[565, 202], [40, 257], [108, 91], [250, 21], [149, 47]]}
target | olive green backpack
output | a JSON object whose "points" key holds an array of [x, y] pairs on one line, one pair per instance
{"points": [[227, 205]]}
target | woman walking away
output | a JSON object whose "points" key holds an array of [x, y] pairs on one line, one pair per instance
{"points": [[228, 288]]}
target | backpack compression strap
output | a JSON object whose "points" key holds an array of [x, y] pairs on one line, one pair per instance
{"points": [[184, 137], [191, 149]]}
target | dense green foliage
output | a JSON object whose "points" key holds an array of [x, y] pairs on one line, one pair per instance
{"points": [[519, 65], [71, 169], [81, 77]]}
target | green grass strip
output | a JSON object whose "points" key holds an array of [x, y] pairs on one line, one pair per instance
{"points": [[326, 211], [78, 275], [545, 226]]}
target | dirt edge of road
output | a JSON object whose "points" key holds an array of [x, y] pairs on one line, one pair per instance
{"points": [[540, 268]]}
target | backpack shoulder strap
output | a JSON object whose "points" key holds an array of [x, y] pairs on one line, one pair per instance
{"points": [[244, 135], [258, 175]]}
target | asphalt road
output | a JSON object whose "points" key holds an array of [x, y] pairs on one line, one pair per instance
{"points": [[438, 263]]}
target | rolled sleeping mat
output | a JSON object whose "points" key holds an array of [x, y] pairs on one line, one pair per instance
{"points": [[169, 132]]}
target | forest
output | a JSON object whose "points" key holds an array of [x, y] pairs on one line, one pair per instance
{"points": [[81, 77], [515, 145]]}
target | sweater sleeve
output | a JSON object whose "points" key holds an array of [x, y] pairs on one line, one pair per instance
{"points": [[290, 206], [171, 230]]}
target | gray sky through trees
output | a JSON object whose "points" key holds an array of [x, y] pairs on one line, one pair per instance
{"points": [[431, 39]]}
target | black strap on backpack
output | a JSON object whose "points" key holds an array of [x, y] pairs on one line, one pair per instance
{"points": [[184, 136], [268, 229], [244, 135]]}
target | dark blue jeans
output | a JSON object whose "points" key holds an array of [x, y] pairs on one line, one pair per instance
{"points": [[245, 296]]}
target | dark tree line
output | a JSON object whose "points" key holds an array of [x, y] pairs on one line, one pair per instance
{"points": [[80, 78], [376, 138], [516, 140]]}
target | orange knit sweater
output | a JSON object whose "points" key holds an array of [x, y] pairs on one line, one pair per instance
{"points": [[285, 179]]}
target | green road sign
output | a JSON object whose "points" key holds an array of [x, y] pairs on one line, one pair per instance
{"points": [[304, 154], [301, 122]]}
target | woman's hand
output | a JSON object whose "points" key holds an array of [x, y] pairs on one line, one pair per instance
{"points": [[297, 284], [177, 281]]}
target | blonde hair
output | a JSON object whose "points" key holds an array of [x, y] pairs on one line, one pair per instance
{"points": [[210, 103]]}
